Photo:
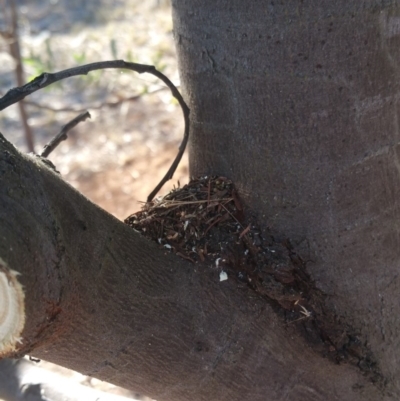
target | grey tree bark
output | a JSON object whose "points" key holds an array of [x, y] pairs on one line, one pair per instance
{"points": [[102, 300], [297, 104]]}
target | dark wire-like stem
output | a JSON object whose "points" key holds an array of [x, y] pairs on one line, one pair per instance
{"points": [[16, 94], [62, 135]]}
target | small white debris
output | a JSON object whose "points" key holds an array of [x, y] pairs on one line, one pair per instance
{"points": [[246, 251], [223, 276], [159, 240], [217, 262], [185, 225], [168, 246]]}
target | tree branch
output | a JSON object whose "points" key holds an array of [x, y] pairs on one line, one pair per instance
{"points": [[104, 301], [62, 135], [16, 94]]}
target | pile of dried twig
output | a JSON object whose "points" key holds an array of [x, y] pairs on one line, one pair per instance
{"points": [[204, 222], [195, 221]]}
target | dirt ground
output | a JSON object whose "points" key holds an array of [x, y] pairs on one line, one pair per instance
{"points": [[118, 156]]}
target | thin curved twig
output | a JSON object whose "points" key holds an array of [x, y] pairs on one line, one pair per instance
{"points": [[62, 135], [16, 94], [96, 106]]}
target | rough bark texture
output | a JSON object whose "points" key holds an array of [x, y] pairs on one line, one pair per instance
{"points": [[298, 103], [102, 300]]}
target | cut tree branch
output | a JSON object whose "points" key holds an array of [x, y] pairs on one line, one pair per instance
{"points": [[16, 94], [102, 300]]}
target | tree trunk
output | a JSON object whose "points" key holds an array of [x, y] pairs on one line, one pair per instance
{"points": [[102, 300], [298, 103]]}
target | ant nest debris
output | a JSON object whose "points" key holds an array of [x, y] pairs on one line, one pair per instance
{"points": [[204, 222]]}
